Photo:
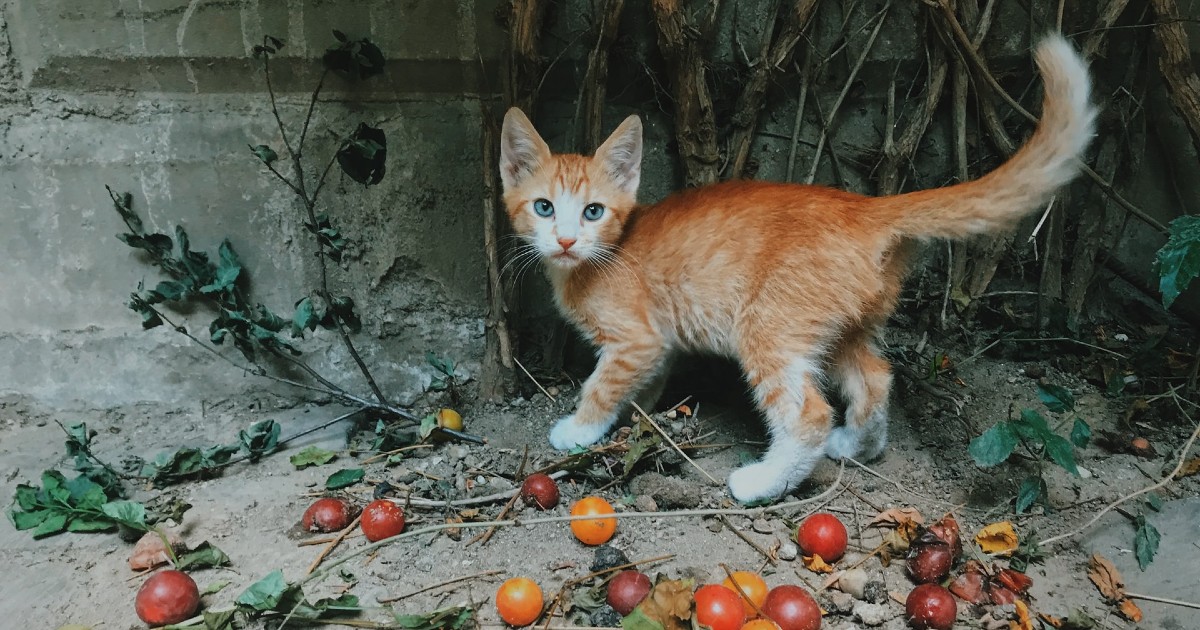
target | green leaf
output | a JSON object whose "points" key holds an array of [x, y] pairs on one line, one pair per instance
{"points": [[1081, 433], [1056, 398], [1178, 261], [205, 556], [54, 523], [312, 456], [344, 477], [214, 587], [452, 618], [637, 620], [260, 438], [28, 519], [354, 59], [993, 446], [304, 317], [265, 153], [1060, 451], [1031, 425], [1078, 620], [171, 290], [90, 524], [1033, 490], [1145, 542], [128, 513], [218, 620], [264, 594], [1154, 502], [363, 157]]}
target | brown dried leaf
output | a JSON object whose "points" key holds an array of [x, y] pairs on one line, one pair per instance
{"points": [[1051, 620], [998, 538], [816, 564], [454, 533], [896, 517], [1130, 610], [1189, 468], [670, 604], [1024, 621], [685, 410], [1015, 581], [1106, 577], [150, 552]]}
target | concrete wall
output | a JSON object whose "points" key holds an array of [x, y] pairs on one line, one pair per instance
{"points": [[162, 97]]}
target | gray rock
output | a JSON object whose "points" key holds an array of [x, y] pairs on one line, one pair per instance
{"points": [[873, 614], [667, 492], [645, 503], [788, 551]]}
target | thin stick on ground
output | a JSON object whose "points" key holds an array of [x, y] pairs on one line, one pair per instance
{"points": [[1161, 600], [483, 538], [333, 543], [673, 444], [535, 381], [1183, 453], [465, 578], [757, 547], [741, 592], [397, 451], [491, 498]]}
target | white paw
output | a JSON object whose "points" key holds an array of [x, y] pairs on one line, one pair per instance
{"points": [[756, 482], [567, 433], [843, 442]]}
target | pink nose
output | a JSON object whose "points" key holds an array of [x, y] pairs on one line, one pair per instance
{"points": [[566, 243]]}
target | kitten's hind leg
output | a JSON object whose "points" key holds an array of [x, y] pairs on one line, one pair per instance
{"points": [[798, 417], [621, 370], [865, 379]]}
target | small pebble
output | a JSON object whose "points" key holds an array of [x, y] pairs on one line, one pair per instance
{"points": [[714, 525], [606, 617], [645, 503], [872, 614], [836, 602], [607, 557], [788, 551]]}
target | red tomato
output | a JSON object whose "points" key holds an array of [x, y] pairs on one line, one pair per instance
{"points": [[792, 608], [930, 607], [167, 597], [719, 608], [822, 535], [382, 519]]}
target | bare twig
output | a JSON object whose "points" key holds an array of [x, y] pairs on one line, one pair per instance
{"points": [[757, 547], [674, 445], [333, 543], [1162, 600], [535, 381], [465, 578]]}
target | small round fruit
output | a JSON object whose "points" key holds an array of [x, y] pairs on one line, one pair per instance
{"points": [[627, 590], [167, 597], [930, 563], [326, 515], [753, 590], [930, 607], [792, 608], [593, 531], [540, 491], [760, 624], [382, 519], [519, 601], [822, 535], [449, 419], [719, 608]]}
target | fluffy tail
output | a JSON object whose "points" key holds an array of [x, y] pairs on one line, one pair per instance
{"points": [[1026, 181]]}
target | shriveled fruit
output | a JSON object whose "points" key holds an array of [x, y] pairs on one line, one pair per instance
{"points": [[519, 601], [449, 419], [930, 563], [540, 491], [823, 535], [760, 624], [751, 587], [719, 608], [930, 607], [593, 531], [947, 531], [167, 597], [627, 590], [969, 587], [792, 608], [326, 515], [382, 519]]}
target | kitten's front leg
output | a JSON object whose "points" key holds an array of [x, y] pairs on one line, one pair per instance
{"points": [[619, 372]]}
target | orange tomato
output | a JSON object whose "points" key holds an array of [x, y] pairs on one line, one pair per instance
{"points": [[753, 590], [594, 531], [519, 601], [760, 624]]}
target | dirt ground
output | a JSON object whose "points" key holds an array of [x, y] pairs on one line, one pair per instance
{"points": [[252, 510]]}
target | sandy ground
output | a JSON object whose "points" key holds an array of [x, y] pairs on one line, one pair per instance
{"points": [[252, 510]]}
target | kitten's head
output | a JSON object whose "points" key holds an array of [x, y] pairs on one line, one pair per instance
{"points": [[569, 208]]}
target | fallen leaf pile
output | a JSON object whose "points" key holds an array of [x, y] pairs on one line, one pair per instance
{"points": [[1108, 581]]}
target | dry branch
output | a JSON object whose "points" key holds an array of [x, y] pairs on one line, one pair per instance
{"points": [[595, 81], [695, 127], [776, 56], [1175, 62], [496, 368]]}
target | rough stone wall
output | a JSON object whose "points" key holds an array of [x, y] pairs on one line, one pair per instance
{"points": [[161, 99]]}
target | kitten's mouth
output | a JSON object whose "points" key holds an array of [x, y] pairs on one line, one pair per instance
{"points": [[565, 258]]}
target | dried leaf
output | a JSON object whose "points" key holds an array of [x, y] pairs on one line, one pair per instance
{"points": [[816, 564], [150, 551], [1051, 620], [669, 604], [1130, 610], [685, 410], [899, 540], [1014, 581], [998, 538], [454, 533], [1024, 621], [1107, 579], [896, 517], [1190, 467]]}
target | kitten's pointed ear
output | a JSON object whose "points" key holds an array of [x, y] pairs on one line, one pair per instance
{"points": [[621, 155], [522, 150]]}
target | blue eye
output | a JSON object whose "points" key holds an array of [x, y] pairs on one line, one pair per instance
{"points": [[593, 212], [543, 208]]}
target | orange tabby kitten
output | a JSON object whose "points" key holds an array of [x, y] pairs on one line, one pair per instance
{"points": [[794, 281]]}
